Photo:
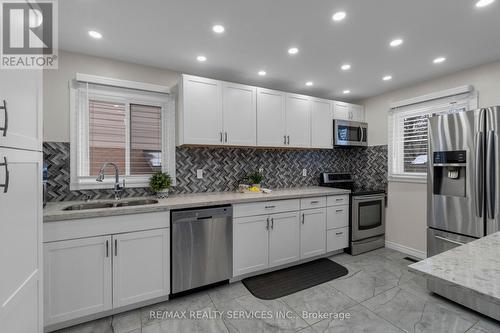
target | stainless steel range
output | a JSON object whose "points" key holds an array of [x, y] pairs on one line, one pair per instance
{"points": [[367, 213]]}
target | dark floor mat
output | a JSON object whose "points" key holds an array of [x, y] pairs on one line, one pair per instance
{"points": [[292, 279]]}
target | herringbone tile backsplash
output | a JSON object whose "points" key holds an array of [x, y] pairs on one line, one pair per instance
{"points": [[224, 167]]}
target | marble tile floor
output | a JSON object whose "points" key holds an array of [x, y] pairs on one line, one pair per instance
{"points": [[379, 294]]}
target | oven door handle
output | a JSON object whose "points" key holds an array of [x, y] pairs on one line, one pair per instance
{"points": [[368, 198]]}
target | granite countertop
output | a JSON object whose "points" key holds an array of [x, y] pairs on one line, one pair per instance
{"points": [[53, 211], [474, 266]]}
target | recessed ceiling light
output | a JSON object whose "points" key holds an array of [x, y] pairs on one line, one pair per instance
{"points": [[201, 58], [339, 16], [95, 34], [484, 3], [262, 73], [347, 91], [439, 60], [345, 67], [396, 42], [309, 83], [387, 78], [218, 28], [293, 50]]}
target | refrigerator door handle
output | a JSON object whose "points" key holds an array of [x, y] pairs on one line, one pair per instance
{"points": [[491, 175], [479, 181]]}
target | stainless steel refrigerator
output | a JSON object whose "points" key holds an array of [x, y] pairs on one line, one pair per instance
{"points": [[463, 178]]}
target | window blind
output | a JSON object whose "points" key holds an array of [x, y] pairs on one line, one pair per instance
{"points": [[145, 139], [408, 133]]}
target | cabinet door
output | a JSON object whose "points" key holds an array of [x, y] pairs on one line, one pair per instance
{"points": [[239, 114], [77, 278], [313, 233], [22, 92], [284, 238], [250, 244], [321, 124], [298, 120], [270, 118], [140, 266], [356, 112], [20, 240], [341, 111], [201, 114]]}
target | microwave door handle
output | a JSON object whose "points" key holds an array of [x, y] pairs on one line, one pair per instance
{"points": [[491, 175], [362, 134], [479, 174]]}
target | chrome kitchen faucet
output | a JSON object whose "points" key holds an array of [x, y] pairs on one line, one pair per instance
{"points": [[117, 188]]}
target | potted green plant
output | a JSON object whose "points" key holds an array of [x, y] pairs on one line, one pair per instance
{"points": [[255, 178], [160, 183]]}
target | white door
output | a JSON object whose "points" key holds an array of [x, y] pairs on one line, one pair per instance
{"points": [[313, 233], [250, 244], [201, 111], [77, 278], [20, 240], [357, 112], [140, 266], [270, 118], [341, 111], [284, 238], [239, 108], [321, 124], [21, 119], [298, 120]]}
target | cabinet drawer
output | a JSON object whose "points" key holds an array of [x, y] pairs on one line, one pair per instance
{"points": [[315, 202], [266, 207], [337, 239], [337, 217], [337, 200]]}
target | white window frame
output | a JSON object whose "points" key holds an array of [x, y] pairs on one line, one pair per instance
{"points": [[128, 93], [422, 105]]}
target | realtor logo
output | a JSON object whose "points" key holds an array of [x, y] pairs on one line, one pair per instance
{"points": [[29, 34]]}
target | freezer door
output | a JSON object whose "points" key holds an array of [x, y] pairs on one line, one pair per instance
{"points": [[440, 241], [492, 169], [455, 197]]}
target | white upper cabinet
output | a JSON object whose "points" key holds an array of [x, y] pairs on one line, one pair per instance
{"points": [[321, 124], [21, 109], [239, 108], [270, 118], [298, 118], [347, 111], [200, 111]]}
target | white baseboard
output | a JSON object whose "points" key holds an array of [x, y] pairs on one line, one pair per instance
{"points": [[405, 249]]}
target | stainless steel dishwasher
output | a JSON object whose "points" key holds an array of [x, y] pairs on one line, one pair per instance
{"points": [[202, 247]]}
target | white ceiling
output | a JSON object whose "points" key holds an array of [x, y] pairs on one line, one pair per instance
{"points": [[170, 34]]}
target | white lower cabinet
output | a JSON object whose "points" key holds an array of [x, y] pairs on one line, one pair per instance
{"points": [[250, 244], [94, 274], [77, 278], [140, 270], [284, 238], [313, 233]]}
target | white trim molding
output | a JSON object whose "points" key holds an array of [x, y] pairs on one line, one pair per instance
{"points": [[432, 96], [406, 249], [106, 81]]}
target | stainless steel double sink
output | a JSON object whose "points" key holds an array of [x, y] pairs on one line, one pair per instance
{"points": [[100, 205]]}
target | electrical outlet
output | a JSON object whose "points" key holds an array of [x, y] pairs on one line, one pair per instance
{"points": [[199, 173], [304, 172], [261, 170]]}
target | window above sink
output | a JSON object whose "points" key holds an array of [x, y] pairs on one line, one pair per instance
{"points": [[121, 122]]}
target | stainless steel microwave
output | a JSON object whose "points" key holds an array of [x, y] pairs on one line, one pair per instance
{"points": [[350, 133]]}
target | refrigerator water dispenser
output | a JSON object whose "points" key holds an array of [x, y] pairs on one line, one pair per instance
{"points": [[450, 172]]}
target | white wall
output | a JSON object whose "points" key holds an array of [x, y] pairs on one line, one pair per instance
{"points": [[56, 86], [406, 211]]}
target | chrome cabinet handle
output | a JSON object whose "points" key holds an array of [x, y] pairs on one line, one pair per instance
{"points": [[221, 137], [269, 207], [116, 247], [479, 149], [490, 175], [449, 240], [267, 223], [314, 202], [303, 218], [288, 139], [338, 233], [6, 123], [284, 139], [107, 248], [272, 222], [225, 136], [339, 210], [7, 176], [339, 199]]}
